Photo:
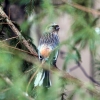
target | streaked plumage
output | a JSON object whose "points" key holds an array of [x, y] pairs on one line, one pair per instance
{"points": [[48, 42]]}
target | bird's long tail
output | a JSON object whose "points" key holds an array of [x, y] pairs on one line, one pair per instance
{"points": [[43, 79]]}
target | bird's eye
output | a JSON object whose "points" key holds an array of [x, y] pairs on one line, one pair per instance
{"points": [[57, 28]]}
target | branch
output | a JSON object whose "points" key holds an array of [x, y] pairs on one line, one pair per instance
{"points": [[83, 8], [76, 81], [80, 7], [84, 72], [89, 77], [58, 72], [16, 31]]}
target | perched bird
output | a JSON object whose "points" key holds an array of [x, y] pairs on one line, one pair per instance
{"points": [[47, 44]]}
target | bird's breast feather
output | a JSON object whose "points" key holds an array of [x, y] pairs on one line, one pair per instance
{"points": [[45, 50]]}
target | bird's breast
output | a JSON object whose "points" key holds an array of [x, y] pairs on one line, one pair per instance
{"points": [[45, 51]]}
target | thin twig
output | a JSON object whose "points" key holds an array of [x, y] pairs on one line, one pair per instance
{"points": [[34, 75], [84, 72], [17, 44], [9, 39], [27, 71], [89, 77], [32, 78], [73, 68]]}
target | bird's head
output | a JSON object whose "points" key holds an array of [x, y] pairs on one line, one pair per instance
{"points": [[53, 28]]}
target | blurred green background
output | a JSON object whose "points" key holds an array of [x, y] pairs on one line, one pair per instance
{"points": [[79, 41]]}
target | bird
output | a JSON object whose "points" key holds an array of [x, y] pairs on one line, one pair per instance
{"points": [[47, 44]]}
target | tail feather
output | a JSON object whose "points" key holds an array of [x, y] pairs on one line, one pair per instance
{"points": [[42, 78], [46, 80]]}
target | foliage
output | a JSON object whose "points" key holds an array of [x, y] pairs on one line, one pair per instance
{"points": [[13, 68]]}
